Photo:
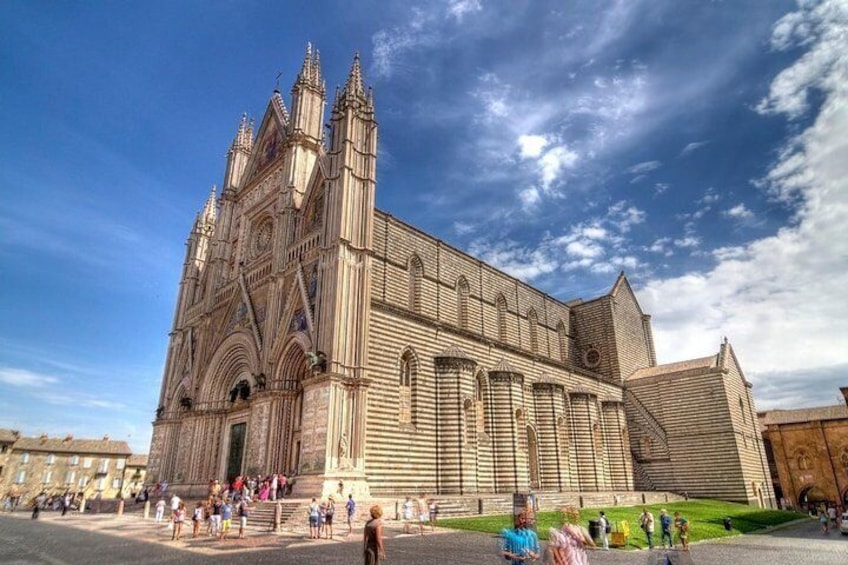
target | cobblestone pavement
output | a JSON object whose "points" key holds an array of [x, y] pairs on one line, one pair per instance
{"points": [[96, 539]]}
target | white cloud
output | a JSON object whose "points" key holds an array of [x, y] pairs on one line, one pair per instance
{"points": [[644, 167], [529, 197], [531, 145], [515, 259], [24, 378], [458, 9], [824, 28], [553, 162], [738, 212], [689, 241], [660, 187], [780, 299], [691, 147], [463, 228]]}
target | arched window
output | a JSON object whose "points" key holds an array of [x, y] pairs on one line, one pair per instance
{"points": [[406, 383], [462, 293], [470, 422], [742, 409], [500, 304], [533, 323], [480, 401], [416, 274], [562, 339]]}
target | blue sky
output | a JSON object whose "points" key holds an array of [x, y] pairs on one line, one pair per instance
{"points": [[699, 146]]}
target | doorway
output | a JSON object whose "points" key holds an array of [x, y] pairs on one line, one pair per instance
{"points": [[235, 455]]}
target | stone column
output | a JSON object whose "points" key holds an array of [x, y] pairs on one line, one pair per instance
{"points": [[583, 418], [456, 442], [617, 444], [507, 386], [553, 448]]}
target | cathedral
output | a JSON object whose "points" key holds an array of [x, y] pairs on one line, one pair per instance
{"points": [[316, 334]]}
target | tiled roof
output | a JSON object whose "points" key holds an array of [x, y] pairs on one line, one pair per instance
{"points": [[801, 415], [679, 367], [8, 436], [77, 446], [137, 461]]}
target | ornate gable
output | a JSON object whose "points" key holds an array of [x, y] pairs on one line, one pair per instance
{"points": [[270, 139]]}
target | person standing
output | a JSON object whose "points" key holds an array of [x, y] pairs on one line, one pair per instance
{"points": [[422, 507], [434, 513], [605, 527], [313, 520], [350, 506], [646, 522], [665, 527], [682, 525], [244, 514], [329, 511], [372, 537], [520, 545], [178, 518], [196, 519], [226, 518], [66, 503], [407, 514]]}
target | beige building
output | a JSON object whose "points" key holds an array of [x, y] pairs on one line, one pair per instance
{"points": [[694, 429], [808, 452], [29, 465], [317, 334]]}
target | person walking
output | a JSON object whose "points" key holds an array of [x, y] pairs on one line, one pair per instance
{"points": [[567, 546], [160, 510], [605, 528], [682, 525], [520, 545], [372, 537], [422, 508], [665, 528], [350, 506], [646, 522]]}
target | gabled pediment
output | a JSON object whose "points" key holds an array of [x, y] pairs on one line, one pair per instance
{"points": [[314, 199], [270, 140], [622, 290]]}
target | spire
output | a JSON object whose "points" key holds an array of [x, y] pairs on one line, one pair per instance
{"points": [[210, 209], [310, 71], [354, 79], [244, 135]]}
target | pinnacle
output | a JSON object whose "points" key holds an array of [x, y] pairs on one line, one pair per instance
{"points": [[244, 134], [310, 71]]}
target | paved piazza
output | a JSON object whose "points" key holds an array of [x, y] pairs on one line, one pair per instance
{"points": [[96, 539]]}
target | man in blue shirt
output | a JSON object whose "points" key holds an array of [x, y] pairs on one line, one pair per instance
{"points": [[665, 525], [350, 506], [521, 545]]}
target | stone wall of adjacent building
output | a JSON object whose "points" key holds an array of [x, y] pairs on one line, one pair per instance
{"points": [[690, 433], [810, 450], [56, 465]]}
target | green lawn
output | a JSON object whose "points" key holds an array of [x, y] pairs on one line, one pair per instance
{"points": [[705, 520]]}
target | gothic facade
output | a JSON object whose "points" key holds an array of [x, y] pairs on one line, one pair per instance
{"points": [[316, 333]]}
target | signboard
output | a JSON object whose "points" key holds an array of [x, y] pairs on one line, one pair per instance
{"points": [[524, 502]]}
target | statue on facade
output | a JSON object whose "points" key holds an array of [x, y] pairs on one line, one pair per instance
{"points": [[317, 361]]}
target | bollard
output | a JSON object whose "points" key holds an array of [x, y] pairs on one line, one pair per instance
{"points": [[278, 516], [121, 507], [479, 506], [82, 506], [146, 509]]}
